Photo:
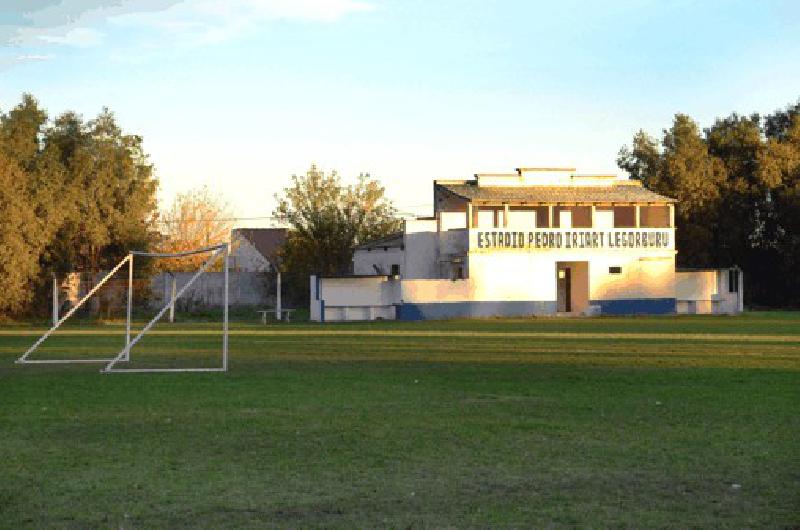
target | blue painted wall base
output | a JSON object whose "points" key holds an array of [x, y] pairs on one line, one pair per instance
{"points": [[636, 306], [444, 310]]}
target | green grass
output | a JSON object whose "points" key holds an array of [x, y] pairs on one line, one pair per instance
{"points": [[646, 422]]}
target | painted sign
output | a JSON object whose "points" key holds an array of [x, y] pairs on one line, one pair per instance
{"points": [[574, 239]]}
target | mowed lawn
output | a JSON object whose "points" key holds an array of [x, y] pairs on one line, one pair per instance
{"points": [[646, 422]]}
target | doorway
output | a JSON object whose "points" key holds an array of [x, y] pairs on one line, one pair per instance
{"points": [[564, 290], [572, 286]]}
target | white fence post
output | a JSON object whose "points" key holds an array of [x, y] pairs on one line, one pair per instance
{"points": [[55, 300], [172, 298], [278, 296]]}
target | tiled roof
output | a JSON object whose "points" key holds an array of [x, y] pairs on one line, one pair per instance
{"points": [[391, 241], [267, 241], [550, 194]]}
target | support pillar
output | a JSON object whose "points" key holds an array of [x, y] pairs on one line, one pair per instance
{"points": [[278, 296], [172, 299], [55, 300]]}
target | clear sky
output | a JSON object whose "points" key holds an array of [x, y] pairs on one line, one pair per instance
{"points": [[240, 94]]}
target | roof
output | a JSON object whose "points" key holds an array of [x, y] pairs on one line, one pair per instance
{"points": [[391, 241], [267, 241], [550, 194]]}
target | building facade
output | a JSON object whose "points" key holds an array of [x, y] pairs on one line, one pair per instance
{"points": [[255, 249], [540, 241]]}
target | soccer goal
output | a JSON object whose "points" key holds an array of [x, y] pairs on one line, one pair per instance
{"points": [[112, 364]]}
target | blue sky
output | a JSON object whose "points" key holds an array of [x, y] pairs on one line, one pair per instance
{"points": [[240, 94]]}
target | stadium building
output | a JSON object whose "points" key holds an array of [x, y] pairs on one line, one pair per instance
{"points": [[541, 241]]}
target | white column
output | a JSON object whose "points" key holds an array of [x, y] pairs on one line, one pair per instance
{"points": [[278, 296], [130, 309], [172, 299], [55, 300], [741, 290], [225, 309]]}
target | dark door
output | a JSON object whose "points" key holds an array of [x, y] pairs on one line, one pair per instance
{"points": [[564, 288]]}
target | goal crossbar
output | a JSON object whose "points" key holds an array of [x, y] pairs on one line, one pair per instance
{"points": [[124, 354]]}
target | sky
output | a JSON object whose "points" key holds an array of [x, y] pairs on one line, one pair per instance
{"points": [[238, 95]]}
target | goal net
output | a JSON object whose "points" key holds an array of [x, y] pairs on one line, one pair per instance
{"points": [[148, 302]]}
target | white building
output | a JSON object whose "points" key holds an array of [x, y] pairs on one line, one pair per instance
{"points": [[540, 241]]}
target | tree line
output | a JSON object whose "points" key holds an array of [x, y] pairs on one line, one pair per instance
{"points": [[74, 195], [738, 187], [77, 196]]}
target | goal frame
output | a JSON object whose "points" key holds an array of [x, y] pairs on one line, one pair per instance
{"points": [[124, 354]]}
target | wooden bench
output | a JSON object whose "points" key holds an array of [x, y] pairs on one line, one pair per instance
{"points": [[286, 313]]}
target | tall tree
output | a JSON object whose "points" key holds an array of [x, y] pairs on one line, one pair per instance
{"points": [[779, 167], [739, 192], [111, 205], [328, 220], [195, 219], [682, 168], [75, 196], [31, 187]]}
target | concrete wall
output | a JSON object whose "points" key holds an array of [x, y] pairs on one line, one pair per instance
{"points": [[244, 289], [355, 298], [421, 249], [363, 260], [707, 292]]}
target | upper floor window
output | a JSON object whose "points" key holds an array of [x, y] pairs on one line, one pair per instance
{"points": [[654, 216], [572, 216], [624, 216]]}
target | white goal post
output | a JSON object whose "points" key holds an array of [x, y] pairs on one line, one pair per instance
{"points": [[124, 354]]}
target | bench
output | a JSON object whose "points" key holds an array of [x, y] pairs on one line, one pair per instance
{"points": [[286, 313]]}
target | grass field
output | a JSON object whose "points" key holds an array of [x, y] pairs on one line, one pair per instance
{"points": [[646, 422]]}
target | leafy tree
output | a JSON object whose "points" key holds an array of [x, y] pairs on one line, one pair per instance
{"points": [[327, 220], [195, 219], [75, 196], [111, 204], [779, 167], [681, 168], [739, 190], [31, 184]]}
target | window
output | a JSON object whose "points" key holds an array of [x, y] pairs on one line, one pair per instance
{"points": [[615, 270], [487, 217], [521, 217], [395, 269], [581, 216], [624, 216], [654, 216], [733, 281], [542, 216]]}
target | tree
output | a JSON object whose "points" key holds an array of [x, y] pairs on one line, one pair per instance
{"points": [[195, 219], [31, 184], [739, 190], [779, 167], [110, 206], [327, 220], [75, 196], [683, 169]]}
